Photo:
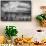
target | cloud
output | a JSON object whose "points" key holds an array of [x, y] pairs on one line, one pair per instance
{"points": [[16, 7]]}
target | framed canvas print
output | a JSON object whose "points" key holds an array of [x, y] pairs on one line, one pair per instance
{"points": [[15, 10]]}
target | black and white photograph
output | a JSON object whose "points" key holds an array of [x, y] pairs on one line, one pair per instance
{"points": [[15, 10]]}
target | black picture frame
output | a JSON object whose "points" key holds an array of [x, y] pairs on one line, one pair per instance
{"points": [[11, 14]]}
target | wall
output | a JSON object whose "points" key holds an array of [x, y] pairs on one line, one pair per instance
{"points": [[26, 28]]}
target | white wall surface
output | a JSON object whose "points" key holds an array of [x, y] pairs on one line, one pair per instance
{"points": [[26, 28]]}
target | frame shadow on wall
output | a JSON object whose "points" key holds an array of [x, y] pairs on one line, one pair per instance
{"points": [[15, 10]]}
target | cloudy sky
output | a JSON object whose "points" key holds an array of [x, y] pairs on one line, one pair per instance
{"points": [[16, 7]]}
